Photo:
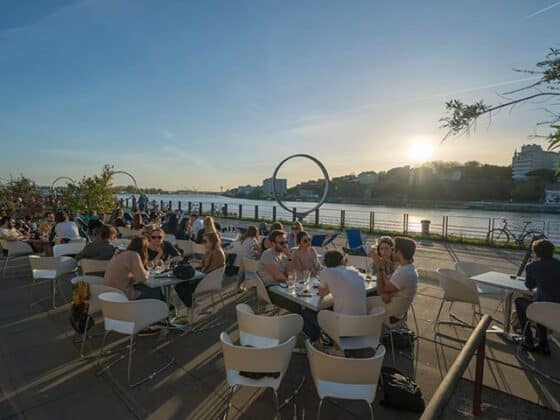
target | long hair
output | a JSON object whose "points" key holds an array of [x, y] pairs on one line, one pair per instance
{"points": [[140, 245], [214, 240], [384, 240], [251, 232], [137, 222], [209, 225]]}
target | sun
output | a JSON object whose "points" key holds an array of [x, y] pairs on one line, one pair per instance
{"points": [[420, 149]]}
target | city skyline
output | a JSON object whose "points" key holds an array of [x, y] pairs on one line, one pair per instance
{"points": [[217, 94]]}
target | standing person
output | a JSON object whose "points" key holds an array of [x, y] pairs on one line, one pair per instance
{"points": [[143, 202], [184, 230], [297, 227], [304, 258], [402, 285], [346, 284], [214, 258], [64, 229], [160, 250], [101, 247], [544, 275], [126, 271]]}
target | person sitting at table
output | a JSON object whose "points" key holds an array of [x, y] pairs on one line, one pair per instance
{"points": [[544, 275], [137, 222], [213, 259], [384, 249], [248, 248], [346, 285], [8, 231], [171, 224], [208, 227], [297, 227], [119, 220], [265, 243], [197, 223], [126, 271], [184, 230], [101, 247], [403, 283], [305, 258], [263, 229], [46, 225], [65, 230], [160, 250]]}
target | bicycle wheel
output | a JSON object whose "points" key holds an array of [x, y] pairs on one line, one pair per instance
{"points": [[497, 235]]}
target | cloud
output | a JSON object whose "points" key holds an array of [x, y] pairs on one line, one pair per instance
{"points": [[541, 11]]}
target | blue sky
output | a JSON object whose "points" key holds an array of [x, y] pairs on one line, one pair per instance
{"points": [[210, 94]]}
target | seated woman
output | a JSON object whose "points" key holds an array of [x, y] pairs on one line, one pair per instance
{"points": [[384, 250], [208, 227], [297, 227], [127, 271], [304, 258], [249, 248], [184, 231], [160, 250], [118, 219], [213, 259], [64, 229]]}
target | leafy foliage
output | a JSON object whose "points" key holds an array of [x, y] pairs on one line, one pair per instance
{"points": [[461, 117], [91, 193], [20, 197]]}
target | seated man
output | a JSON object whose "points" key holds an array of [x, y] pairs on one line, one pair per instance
{"points": [[274, 266], [402, 284], [346, 284], [101, 247], [8, 231], [544, 274]]}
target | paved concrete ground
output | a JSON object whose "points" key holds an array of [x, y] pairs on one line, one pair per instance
{"points": [[43, 376]]}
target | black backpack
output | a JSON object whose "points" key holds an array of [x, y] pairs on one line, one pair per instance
{"points": [[400, 391], [184, 271]]}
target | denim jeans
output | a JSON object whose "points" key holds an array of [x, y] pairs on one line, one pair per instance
{"points": [[521, 305], [310, 324]]}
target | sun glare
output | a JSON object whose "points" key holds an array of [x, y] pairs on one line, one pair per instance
{"points": [[420, 149]]}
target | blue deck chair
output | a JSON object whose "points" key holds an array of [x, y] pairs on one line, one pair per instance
{"points": [[330, 239], [317, 240], [241, 230], [354, 238]]}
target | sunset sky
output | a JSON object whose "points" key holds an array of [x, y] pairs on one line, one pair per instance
{"points": [[209, 94]]}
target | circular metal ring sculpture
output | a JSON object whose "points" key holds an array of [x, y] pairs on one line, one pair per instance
{"points": [[301, 215], [131, 177], [60, 178]]}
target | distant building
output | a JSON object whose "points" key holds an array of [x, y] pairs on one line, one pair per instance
{"points": [[552, 194], [367, 178], [244, 189], [450, 174], [281, 186], [530, 158]]}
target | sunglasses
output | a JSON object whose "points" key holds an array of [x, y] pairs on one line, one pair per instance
{"points": [[156, 237]]}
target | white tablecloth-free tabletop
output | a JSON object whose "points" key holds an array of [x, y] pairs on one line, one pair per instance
{"points": [[167, 279], [501, 280], [313, 302]]}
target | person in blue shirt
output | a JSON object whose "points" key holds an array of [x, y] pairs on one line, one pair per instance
{"points": [[544, 275]]}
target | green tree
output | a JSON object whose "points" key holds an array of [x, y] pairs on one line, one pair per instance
{"points": [[20, 197], [91, 193], [461, 117]]}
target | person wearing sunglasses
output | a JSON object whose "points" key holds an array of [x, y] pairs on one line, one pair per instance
{"points": [[304, 258], [297, 227], [160, 250]]}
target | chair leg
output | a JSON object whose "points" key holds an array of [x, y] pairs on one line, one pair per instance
{"points": [[319, 410], [370, 410], [54, 293], [130, 359], [392, 347], [275, 397], [5, 266], [438, 314], [101, 348], [228, 405], [84, 338]]}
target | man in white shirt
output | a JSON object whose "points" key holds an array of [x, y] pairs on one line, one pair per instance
{"points": [[346, 284], [398, 291], [197, 224]]}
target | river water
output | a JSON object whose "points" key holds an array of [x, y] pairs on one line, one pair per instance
{"points": [[461, 222]]}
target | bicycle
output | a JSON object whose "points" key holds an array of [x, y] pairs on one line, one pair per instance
{"points": [[504, 234]]}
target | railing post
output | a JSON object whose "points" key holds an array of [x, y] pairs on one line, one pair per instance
{"points": [[274, 213], [404, 224], [294, 215], [212, 209], [371, 221], [342, 218], [317, 217], [179, 205], [200, 208], [479, 376], [256, 212], [133, 203], [226, 210], [443, 227], [121, 202], [170, 205], [241, 211], [127, 203], [161, 204], [189, 208]]}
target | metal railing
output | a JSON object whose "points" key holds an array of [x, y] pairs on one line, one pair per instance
{"points": [[444, 392], [442, 226]]}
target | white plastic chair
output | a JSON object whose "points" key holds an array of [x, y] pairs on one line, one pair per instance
{"points": [[266, 331], [51, 269], [128, 318], [351, 332], [471, 269], [239, 359], [546, 314], [211, 284], [88, 266], [185, 246], [71, 248], [457, 288], [249, 268], [263, 296], [13, 250], [340, 377]]}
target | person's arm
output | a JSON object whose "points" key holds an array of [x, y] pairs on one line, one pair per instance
{"points": [[323, 288], [384, 286], [139, 273]]}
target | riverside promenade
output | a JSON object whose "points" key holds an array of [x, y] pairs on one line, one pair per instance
{"points": [[44, 377]]}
